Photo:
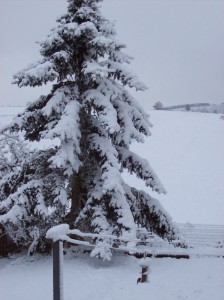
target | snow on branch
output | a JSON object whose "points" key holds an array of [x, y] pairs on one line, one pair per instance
{"points": [[67, 127], [128, 130], [127, 97], [66, 158], [135, 164], [86, 28], [57, 101], [104, 243], [36, 74], [102, 42], [108, 29], [149, 213], [17, 202], [119, 56], [126, 76], [106, 113], [56, 39], [96, 69], [110, 177], [57, 232], [108, 193], [105, 149]]}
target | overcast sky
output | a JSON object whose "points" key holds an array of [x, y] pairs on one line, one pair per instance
{"points": [[178, 46]]}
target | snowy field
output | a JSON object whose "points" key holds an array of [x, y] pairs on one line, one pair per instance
{"points": [[30, 278], [186, 150]]}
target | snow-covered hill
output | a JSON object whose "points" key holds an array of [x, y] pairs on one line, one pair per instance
{"points": [[187, 152]]}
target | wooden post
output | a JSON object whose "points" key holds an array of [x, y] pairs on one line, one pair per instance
{"points": [[57, 270], [144, 274], [144, 264]]}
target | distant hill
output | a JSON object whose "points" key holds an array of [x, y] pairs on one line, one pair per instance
{"points": [[213, 108], [183, 106], [197, 107]]}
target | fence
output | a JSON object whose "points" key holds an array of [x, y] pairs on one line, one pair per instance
{"points": [[196, 234], [200, 235]]}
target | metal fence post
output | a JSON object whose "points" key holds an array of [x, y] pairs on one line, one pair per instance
{"points": [[58, 270]]}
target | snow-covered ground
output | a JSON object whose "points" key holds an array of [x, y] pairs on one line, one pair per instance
{"points": [[186, 151], [30, 278]]}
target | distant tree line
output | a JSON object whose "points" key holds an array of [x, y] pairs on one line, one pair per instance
{"points": [[195, 107]]}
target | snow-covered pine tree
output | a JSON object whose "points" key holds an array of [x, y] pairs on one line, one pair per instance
{"points": [[28, 188], [92, 119]]}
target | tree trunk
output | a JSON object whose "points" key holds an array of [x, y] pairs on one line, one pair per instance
{"points": [[75, 198], [3, 242]]}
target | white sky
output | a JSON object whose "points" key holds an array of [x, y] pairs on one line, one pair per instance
{"points": [[178, 46]]}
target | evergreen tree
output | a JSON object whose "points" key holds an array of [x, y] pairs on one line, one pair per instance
{"points": [[28, 189], [158, 105], [92, 120], [187, 107]]}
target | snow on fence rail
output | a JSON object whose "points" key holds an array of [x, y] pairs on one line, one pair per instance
{"points": [[147, 245], [62, 232], [194, 235], [202, 234]]}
